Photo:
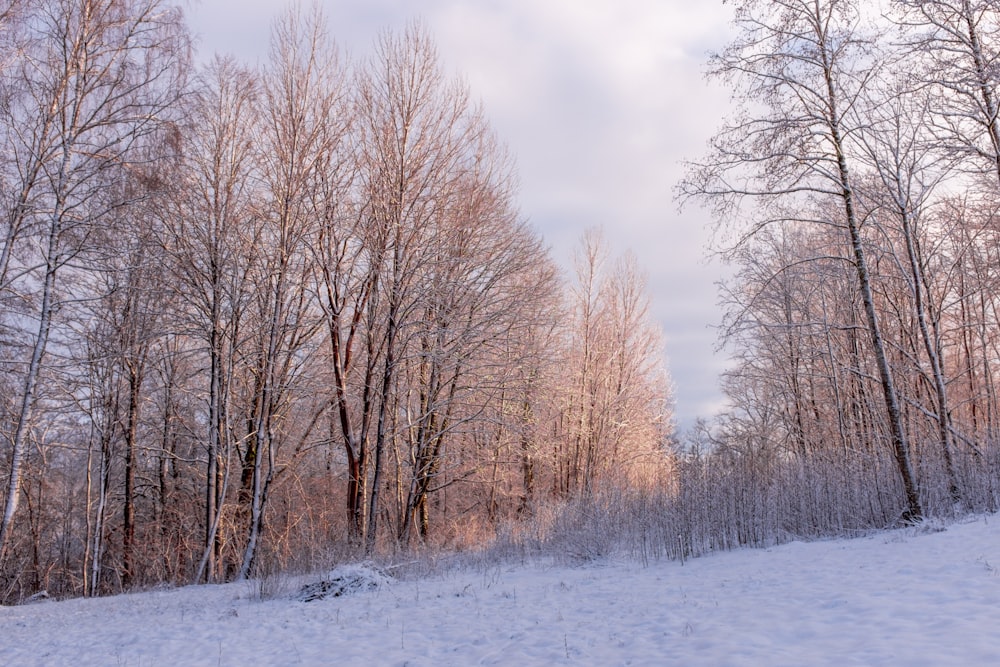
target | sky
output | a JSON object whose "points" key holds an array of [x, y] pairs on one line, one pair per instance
{"points": [[599, 101]]}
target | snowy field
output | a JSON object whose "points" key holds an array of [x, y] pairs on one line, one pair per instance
{"points": [[906, 597]]}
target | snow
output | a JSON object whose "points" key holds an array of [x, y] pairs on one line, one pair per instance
{"points": [[344, 580], [915, 596]]}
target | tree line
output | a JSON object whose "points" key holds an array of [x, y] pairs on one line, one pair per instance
{"points": [[259, 318], [856, 185]]}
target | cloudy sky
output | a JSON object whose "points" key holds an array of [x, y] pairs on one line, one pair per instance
{"points": [[599, 100]]}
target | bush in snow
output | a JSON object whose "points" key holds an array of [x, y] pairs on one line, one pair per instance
{"points": [[345, 580]]}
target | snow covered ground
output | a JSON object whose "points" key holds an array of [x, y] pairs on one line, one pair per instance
{"points": [[906, 597]]}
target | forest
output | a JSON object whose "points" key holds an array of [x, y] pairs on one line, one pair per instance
{"points": [[264, 319]]}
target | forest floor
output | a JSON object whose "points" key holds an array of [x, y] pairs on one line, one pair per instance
{"points": [[928, 595]]}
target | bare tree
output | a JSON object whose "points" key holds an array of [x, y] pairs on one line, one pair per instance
{"points": [[300, 134], [412, 125], [800, 67], [208, 229], [956, 46], [97, 75], [482, 283], [899, 147], [617, 408]]}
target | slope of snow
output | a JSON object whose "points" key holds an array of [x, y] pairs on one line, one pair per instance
{"points": [[906, 597]]}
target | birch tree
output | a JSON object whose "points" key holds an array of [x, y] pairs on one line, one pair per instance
{"points": [[956, 47], [97, 77], [908, 170], [208, 229], [799, 68]]}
